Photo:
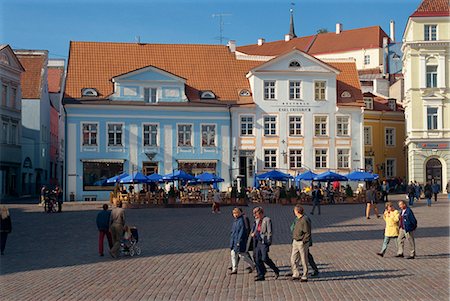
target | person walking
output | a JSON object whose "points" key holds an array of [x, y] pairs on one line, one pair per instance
{"points": [[436, 188], [371, 200], [116, 225], [411, 192], [5, 228], [448, 189], [58, 194], [43, 192], [316, 198], [418, 190], [216, 202], [392, 218], [238, 242], [103, 218], [262, 239], [384, 191], [428, 192], [408, 224], [301, 236]]}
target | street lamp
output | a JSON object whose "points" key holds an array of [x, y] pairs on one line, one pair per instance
{"points": [[234, 153]]}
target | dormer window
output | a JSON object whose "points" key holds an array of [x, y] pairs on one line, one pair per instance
{"points": [[368, 102], [392, 104], [150, 95], [244, 92], [207, 95], [89, 92], [346, 94], [294, 64]]}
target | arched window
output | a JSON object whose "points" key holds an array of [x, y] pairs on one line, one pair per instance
{"points": [[346, 94], [244, 92], [89, 92], [207, 95], [294, 64]]}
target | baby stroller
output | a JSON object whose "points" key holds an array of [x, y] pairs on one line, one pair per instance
{"points": [[129, 245]]}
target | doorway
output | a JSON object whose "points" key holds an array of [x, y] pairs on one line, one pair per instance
{"points": [[149, 168], [434, 171]]}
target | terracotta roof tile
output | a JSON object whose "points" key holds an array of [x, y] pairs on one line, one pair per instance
{"points": [[205, 67], [31, 80], [54, 77], [430, 8], [347, 40], [348, 81]]}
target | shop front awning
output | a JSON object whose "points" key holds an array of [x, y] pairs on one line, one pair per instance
{"points": [[197, 161]]}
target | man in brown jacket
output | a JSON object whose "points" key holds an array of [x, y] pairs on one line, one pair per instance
{"points": [[116, 222], [301, 237]]}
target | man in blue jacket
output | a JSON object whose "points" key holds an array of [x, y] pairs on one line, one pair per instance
{"points": [[408, 224], [103, 228]]}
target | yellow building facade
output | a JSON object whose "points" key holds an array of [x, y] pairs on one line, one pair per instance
{"points": [[426, 64]]}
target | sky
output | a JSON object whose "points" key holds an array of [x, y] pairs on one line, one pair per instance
{"points": [[52, 24]]}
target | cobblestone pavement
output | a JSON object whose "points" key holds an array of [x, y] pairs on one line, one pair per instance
{"points": [[185, 257]]}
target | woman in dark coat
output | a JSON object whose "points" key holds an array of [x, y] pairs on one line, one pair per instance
{"points": [[238, 242], [428, 192], [5, 228]]}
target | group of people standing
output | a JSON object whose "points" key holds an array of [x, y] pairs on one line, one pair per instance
{"points": [[258, 238], [414, 191]]}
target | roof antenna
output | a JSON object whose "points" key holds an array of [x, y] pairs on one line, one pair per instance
{"points": [[221, 24]]}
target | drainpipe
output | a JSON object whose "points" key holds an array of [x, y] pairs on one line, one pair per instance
{"points": [[231, 145], [65, 155]]}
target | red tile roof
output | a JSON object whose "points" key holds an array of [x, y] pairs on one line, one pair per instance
{"points": [[381, 103], [32, 79], [54, 76], [432, 8], [347, 40], [348, 81], [205, 67]]}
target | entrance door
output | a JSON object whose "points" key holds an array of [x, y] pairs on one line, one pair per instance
{"points": [[434, 171], [149, 168], [243, 171]]}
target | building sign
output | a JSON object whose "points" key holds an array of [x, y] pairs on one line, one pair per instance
{"points": [[295, 106], [434, 145]]}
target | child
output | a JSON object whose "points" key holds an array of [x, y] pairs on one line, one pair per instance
{"points": [[391, 217], [126, 240]]}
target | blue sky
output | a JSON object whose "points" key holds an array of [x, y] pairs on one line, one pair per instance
{"points": [[52, 24]]}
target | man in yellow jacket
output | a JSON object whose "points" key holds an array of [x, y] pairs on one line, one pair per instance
{"points": [[391, 217]]}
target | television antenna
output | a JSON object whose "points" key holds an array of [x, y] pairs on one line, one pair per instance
{"points": [[221, 25]]}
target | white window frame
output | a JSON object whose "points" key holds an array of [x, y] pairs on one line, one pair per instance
{"points": [[325, 94], [252, 128], [271, 156], [157, 134], [270, 128], [296, 156], [321, 156], [192, 134], [390, 142], [368, 103], [370, 135], [295, 128], [271, 93], [367, 59], [215, 134], [348, 126], [433, 76], [436, 116], [326, 127], [122, 134], [394, 168], [340, 158], [82, 134], [295, 91], [429, 31], [150, 89]]}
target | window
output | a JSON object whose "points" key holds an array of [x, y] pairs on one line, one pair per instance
{"points": [[390, 136], [89, 92], [431, 76], [150, 135], [4, 132], [115, 134], [4, 94], [269, 89], [343, 158], [246, 125], [320, 125], [13, 134], [295, 125], [270, 158], [367, 135], [368, 102], [208, 135], [390, 168], [270, 125], [319, 90], [392, 104], [89, 134], [366, 59], [294, 90], [430, 32], [13, 98], [294, 64], [321, 157], [150, 95], [342, 125], [184, 135], [432, 118], [95, 173], [295, 158], [368, 164]]}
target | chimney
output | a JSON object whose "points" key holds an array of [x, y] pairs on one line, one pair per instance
{"points": [[232, 45], [392, 31], [261, 41], [339, 28], [385, 56], [287, 37]]}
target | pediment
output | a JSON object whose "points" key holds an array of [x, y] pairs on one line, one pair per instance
{"points": [[149, 74], [295, 61], [8, 58], [432, 95]]}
